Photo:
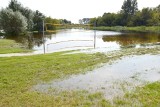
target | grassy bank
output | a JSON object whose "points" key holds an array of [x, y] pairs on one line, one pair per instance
{"points": [[10, 46], [143, 29], [19, 74]]}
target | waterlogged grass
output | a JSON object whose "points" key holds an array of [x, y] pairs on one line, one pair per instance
{"points": [[147, 96], [20, 74], [10, 46], [143, 29]]}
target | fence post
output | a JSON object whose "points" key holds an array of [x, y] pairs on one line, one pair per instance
{"points": [[94, 34], [43, 38]]}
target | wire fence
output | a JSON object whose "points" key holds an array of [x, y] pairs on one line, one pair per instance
{"points": [[72, 42]]}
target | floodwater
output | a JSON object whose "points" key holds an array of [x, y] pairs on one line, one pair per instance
{"points": [[73, 39], [112, 80]]}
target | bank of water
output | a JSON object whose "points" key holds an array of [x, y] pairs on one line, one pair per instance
{"points": [[112, 80]]}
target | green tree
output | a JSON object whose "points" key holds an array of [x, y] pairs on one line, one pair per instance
{"points": [[119, 20], [15, 5], [92, 21], [28, 13], [155, 16], [99, 22], [108, 19], [129, 8], [13, 23], [38, 21], [51, 20], [65, 21], [137, 19], [146, 16]]}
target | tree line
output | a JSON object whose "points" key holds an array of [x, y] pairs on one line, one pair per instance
{"points": [[16, 19], [129, 15]]}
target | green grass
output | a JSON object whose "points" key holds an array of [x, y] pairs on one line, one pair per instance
{"points": [[147, 96], [18, 75], [10, 46], [143, 29]]}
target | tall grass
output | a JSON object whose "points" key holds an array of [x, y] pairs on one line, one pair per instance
{"points": [[144, 29], [10, 46]]}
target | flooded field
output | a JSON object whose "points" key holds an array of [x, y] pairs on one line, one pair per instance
{"points": [[112, 79], [72, 39]]}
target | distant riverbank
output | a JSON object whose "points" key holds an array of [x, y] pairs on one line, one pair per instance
{"points": [[142, 29]]}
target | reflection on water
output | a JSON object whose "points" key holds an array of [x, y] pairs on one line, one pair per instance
{"points": [[80, 39], [133, 38], [29, 41]]}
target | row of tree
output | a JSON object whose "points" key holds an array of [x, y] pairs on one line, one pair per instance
{"points": [[17, 19], [50, 21], [129, 15]]}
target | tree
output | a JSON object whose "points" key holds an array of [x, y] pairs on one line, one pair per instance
{"points": [[156, 16], [146, 16], [80, 21], [119, 20], [65, 21], [28, 13], [137, 19], [14, 5], [99, 22], [51, 20], [108, 19], [37, 20], [13, 23], [129, 7], [85, 20]]}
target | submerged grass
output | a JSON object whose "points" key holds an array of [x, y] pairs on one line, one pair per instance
{"points": [[10, 46], [19, 74]]}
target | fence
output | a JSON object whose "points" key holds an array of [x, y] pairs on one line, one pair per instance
{"points": [[70, 41]]}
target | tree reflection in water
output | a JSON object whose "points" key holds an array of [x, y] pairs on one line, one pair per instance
{"points": [[132, 39], [30, 40]]}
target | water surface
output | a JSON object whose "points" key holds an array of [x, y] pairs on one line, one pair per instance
{"points": [[113, 80], [71, 39]]}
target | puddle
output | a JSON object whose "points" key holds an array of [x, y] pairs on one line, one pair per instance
{"points": [[112, 80]]}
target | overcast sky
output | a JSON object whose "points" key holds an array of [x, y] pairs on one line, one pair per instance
{"points": [[77, 9]]}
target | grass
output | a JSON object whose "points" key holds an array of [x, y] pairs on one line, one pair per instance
{"points": [[147, 96], [10, 46], [143, 29], [19, 74]]}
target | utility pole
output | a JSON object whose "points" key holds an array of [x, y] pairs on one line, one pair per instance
{"points": [[43, 39]]}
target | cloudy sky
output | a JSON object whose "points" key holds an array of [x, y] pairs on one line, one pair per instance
{"points": [[77, 9]]}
